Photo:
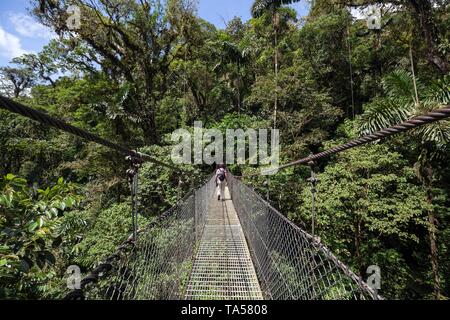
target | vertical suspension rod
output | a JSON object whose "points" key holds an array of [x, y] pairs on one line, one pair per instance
{"points": [[133, 179]]}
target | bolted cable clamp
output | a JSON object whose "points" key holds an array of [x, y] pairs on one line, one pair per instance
{"points": [[136, 162]]}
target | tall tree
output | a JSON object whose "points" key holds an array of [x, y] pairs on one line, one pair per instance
{"points": [[369, 194], [16, 79], [259, 7], [40, 64], [423, 12], [401, 104], [134, 42], [230, 53]]}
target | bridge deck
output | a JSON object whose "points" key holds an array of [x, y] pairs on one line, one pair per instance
{"points": [[223, 268]]}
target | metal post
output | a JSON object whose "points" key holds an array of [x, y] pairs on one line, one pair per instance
{"points": [[133, 179], [180, 184], [267, 183], [194, 205], [133, 201], [313, 180]]}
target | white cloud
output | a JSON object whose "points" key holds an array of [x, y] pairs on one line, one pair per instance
{"points": [[363, 12], [10, 46], [359, 14], [27, 27]]}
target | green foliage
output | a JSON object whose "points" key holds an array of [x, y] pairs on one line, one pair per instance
{"points": [[370, 210], [260, 6], [140, 70], [33, 224], [399, 104], [107, 230], [159, 187]]}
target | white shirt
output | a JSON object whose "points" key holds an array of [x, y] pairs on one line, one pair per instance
{"points": [[220, 171]]}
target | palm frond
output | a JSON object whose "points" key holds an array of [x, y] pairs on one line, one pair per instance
{"points": [[436, 132], [399, 106], [382, 113], [400, 83], [439, 91]]}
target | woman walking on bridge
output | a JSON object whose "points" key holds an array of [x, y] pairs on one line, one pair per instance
{"points": [[221, 179]]}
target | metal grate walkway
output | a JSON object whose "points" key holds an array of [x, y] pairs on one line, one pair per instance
{"points": [[223, 268]]}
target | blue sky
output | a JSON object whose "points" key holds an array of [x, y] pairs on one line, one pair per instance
{"points": [[20, 34], [217, 11]]}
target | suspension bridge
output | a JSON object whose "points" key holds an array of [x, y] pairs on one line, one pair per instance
{"points": [[239, 248]]}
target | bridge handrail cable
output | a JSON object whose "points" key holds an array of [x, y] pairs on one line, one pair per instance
{"points": [[18, 108], [415, 122]]}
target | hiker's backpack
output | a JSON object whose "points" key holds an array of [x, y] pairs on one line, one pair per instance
{"points": [[221, 175]]}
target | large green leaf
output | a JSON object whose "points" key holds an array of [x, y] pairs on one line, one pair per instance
{"points": [[33, 226]]}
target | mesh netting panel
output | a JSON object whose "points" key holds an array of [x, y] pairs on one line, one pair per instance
{"points": [[158, 265], [289, 264]]}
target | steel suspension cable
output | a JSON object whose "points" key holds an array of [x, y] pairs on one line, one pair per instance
{"points": [[415, 122], [18, 108]]}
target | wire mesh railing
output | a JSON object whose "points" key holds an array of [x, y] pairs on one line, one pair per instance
{"points": [[289, 263], [158, 264]]}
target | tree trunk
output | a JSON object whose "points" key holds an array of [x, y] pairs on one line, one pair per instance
{"points": [[149, 105], [276, 25], [16, 92], [433, 247], [358, 247], [149, 129], [238, 87], [423, 10], [352, 92], [413, 72], [239, 100], [424, 14]]}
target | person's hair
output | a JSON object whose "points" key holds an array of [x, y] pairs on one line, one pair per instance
{"points": [[220, 166]]}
